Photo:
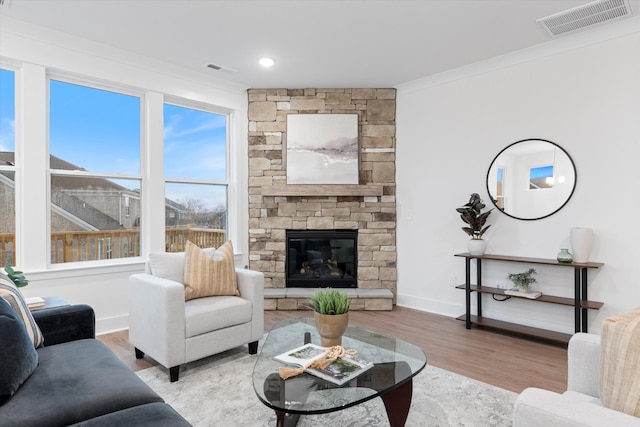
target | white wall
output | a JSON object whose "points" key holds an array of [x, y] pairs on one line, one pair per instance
{"points": [[34, 52], [579, 92], [450, 127]]}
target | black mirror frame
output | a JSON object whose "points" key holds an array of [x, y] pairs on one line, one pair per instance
{"points": [[575, 181]]}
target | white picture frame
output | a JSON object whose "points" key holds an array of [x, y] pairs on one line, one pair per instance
{"points": [[322, 149]]}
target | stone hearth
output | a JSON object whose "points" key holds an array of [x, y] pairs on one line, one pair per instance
{"points": [[369, 207]]}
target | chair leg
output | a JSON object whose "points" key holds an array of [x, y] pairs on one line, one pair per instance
{"points": [[253, 347], [174, 373], [139, 354]]}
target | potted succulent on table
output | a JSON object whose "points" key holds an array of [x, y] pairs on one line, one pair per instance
{"points": [[471, 213], [523, 280], [331, 314]]}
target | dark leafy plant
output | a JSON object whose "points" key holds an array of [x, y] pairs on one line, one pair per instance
{"points": [[330, 301], [523, 280], [471, 213], [17, 277]]}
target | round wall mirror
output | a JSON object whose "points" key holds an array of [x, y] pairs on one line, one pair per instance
{"points": [[531, 179]]}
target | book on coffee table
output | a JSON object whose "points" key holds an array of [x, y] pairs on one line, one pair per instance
{"points": [[342, 370]]}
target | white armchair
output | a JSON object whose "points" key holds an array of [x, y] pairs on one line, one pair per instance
{"points": [[580, 405], [174, 331]]}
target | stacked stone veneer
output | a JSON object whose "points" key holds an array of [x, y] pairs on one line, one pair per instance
{"points": [[373, 216]]}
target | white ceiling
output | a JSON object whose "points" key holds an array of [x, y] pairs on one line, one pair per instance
{"points": [[317, 43]]}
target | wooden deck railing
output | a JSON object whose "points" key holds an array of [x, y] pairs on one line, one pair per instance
{"points": [[95, 245], [176, 238], [7, 248]]}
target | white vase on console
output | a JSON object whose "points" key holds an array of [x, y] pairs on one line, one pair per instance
{"points": [[581, 239]]}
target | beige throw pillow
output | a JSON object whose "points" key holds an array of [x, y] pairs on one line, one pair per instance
{"points": [[209, 274], [620, 363]]}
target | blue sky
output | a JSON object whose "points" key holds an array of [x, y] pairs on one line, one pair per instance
{"points": [[99, 131], [7, 110], [541, 172], [94, 129], [194, 144]]}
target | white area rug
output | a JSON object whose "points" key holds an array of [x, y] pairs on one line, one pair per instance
{"points": [[218, 391]]}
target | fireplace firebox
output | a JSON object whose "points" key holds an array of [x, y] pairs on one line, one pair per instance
{"points": [[322, 258]]}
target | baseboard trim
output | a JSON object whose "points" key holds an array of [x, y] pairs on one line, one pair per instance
{"points": [[112, 324]]}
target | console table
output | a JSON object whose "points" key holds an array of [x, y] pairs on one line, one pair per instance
{"points": [[580, 302]]}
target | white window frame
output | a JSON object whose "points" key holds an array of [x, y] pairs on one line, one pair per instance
{"points": [[32, 177], [120, 89], [228, 114], [16, 153]]}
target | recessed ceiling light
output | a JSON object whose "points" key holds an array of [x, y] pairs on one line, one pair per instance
{"points": [[266, 62]]}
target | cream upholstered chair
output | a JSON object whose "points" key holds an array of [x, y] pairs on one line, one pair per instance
{"points": [[580, 405], [174, 331]]}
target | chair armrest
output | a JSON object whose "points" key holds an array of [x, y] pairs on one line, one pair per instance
{"points": [[67, 323], [535, 407], [251, 287], [584, 364], [157, 318]]}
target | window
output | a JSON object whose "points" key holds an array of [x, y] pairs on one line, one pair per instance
{"points": [[499, 201], [7, 168], [196, 182], [541, 177], [94, 145]]}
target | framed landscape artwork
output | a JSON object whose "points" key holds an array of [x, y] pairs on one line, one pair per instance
{"points": [[322, 149]]}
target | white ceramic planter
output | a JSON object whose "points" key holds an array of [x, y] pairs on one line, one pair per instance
{"points": [[477, 246]]}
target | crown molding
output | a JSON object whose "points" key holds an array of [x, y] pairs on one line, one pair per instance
{"points": [[560, 45]]}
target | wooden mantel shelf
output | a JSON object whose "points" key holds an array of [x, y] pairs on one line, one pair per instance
{"points": [[322, 190]]}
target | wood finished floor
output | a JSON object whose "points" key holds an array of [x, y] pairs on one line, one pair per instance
{"points": [[506, 361]]}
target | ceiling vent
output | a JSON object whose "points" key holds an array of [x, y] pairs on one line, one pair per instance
{"points": [[221, 68], [585, 16]]}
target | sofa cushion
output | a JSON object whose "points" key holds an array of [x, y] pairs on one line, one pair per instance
{"points": [[620, 363], [149, 415], [167, 265], [209, 275], [18, 356], [66, 323], [75, 381], [577, 397], [170, 265], [204, 315], [14, 297]]}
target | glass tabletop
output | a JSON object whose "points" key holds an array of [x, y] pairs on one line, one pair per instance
{"points": [[395, 362]]}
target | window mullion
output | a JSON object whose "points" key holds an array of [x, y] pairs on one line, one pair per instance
{"points": [[32, 219], [153, 208]]}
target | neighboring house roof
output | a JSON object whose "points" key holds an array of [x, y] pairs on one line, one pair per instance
{"points": [[69, 198]]}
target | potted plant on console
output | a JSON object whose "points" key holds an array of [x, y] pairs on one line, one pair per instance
{"points": [[522, 281], [471, 213], [331, 314]]}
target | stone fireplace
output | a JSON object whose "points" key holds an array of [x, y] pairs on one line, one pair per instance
{"points": [[368, 208]]}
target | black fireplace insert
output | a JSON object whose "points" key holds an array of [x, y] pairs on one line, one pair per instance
{"points": [[322, 258]]}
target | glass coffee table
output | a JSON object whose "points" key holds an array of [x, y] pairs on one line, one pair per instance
{"points": [[396, 362]]}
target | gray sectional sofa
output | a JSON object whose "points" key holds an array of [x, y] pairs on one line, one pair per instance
{"points": [[77, 381]]}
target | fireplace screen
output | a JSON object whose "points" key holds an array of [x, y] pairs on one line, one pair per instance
{"points": [[322, 258]]}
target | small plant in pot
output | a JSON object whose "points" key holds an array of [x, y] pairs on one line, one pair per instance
{"points": [[471, 213], [523, 280], [17, 277], [331, 314]]}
